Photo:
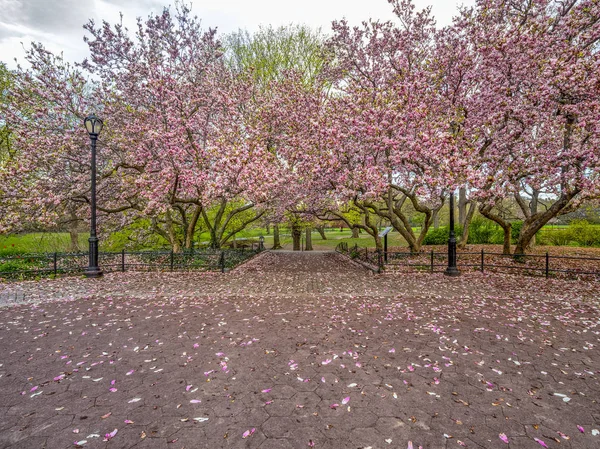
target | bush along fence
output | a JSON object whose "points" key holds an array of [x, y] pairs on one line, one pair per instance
{"points": [[28, 266], [544, 265]]}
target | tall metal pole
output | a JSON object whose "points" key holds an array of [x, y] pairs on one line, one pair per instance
{"points": [[93, 271], [452, 270]]}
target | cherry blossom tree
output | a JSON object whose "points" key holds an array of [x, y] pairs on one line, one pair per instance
{"points": [[529, 105], [392, 139], [185, 120]]}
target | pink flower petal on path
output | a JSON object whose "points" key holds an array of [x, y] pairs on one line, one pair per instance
{"points": [[110, 435], [345, 400], [410, 445], [248, 433], [503, 437], [195, 401], [188, 387], [266, 390], [540, 442], [581, 429]]}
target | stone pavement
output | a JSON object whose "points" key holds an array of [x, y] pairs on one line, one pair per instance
{"points": [[298, 350]]}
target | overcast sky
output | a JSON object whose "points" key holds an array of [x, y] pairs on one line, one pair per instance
{"points": [[58, 23]]}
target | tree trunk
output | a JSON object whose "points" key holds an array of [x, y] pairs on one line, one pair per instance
{"points": [[321, 230], [73, 234], [296, 236], [268, 226], [486, 211], [462, 206], [466, 224], [533, 224], [533, 208], [191, 228], [355, 233], [276, 241], [436, 219], [308, 246], [175, 243]]}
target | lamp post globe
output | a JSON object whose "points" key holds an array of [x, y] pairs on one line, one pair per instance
{"points": [[93, 126]]}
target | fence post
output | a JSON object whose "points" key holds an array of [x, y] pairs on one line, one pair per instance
{"points": [[222, 261], [55, 264], [482, 260], [432, 261], [172, 260], [123, 261], [547, 264]]}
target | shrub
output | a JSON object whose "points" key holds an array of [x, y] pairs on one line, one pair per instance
{"points": [[14, 265], [481, 231], [582, 232], [439, 236], [516, 231], [557, 237]]}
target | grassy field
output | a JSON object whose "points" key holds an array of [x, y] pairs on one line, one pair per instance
{"points": [[59, 242], [39, 242]]}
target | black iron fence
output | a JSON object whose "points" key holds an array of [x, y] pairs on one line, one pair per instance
{"points": [[545, 265], [28, 266]]}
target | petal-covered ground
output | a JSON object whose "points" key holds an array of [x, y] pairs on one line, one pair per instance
{"points": [[300, 350]]}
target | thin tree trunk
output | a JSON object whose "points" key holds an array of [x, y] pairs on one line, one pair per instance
{"points": [[467, 223], [276, 241], [533, 208], [268, 226], [355, 233], [321, 231], [73, 234], [191, 228], [175, 243], [308, 246], [462, 205]]}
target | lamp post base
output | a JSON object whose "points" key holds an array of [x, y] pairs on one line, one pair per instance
{"points": [[452, 271], [93, 272]]}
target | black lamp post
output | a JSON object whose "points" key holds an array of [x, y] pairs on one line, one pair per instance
{"points": [[261, 245], [93, 125], [452, 270]]}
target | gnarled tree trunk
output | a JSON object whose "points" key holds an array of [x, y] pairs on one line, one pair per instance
{"points": [[321, 231], [486, 211]]}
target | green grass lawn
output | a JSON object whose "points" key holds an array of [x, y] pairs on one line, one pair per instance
{"points": [[39, 242], [49, 242]]}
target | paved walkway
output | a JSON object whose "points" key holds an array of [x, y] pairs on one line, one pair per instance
{"points": [[297, 350]]}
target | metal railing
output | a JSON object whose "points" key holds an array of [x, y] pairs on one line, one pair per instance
{"points": [[28, 266], [545, 265]]}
